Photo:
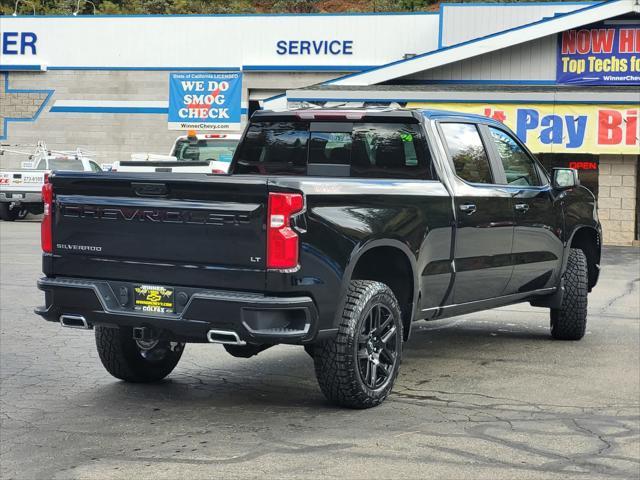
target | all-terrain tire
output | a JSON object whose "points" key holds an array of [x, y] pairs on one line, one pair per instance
{"points": [[7, 213], [123, 358], [569, 322], [339, 361]]}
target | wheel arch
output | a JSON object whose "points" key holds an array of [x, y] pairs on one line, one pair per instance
{"points": [[391, 262], [589, 240]]}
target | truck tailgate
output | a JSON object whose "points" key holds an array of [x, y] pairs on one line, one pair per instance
{"points": [[195, 230], [22, 180]]}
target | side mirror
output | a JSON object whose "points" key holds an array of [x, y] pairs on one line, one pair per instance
{"points": [[564, 178], [27, 165]]}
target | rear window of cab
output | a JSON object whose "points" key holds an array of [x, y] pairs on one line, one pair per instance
{"points": [[365, 150]]}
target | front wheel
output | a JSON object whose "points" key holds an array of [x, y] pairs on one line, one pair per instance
{"points": [[135, 360], [569, 322], [358, 368]]}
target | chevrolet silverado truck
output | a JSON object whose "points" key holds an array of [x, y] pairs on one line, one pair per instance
{"points": [[334, 230]]}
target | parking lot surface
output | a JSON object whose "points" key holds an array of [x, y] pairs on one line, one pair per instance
{"points": [[487, 395]]}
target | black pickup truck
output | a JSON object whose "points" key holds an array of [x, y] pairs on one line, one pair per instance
{"points": [[334, 230]]}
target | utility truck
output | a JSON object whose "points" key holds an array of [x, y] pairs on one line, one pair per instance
{"points": [[21, 190]]}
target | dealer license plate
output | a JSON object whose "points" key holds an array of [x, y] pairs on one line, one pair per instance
{"points": [[154, 299]]}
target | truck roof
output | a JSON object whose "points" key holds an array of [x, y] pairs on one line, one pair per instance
{"points": [[360, 114]]}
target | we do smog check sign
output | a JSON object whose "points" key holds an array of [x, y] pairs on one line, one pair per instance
{"points": [[600, 55], [205, 100]]}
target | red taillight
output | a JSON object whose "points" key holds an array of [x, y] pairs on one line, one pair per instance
{"points": [[47, 198], [282, 240], [216, 171]]}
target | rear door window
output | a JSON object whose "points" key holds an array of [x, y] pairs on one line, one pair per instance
{"points": [[388, 150], [467, 151]]}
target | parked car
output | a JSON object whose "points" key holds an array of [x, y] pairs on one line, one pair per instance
{"points": [[191, 153], [335, 230], [21, 190]]}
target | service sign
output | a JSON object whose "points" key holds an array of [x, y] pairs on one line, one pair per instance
{"points": [[205, 100], [562, 128], [600, 55]]}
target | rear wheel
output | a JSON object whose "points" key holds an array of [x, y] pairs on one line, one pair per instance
{"points": [[569, 322], [9, 213], [22, 213], [136, 360], [358, 368]]}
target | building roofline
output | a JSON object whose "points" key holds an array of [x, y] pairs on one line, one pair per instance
{"points": [[488, 43]]}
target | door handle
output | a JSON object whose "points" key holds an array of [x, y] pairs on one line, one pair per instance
{"points": [[521, 207], [468, 208]]}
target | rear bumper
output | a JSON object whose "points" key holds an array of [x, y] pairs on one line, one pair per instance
{"points": [[255, 318], [21, 197]]}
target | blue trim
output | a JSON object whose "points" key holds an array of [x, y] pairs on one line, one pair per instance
{"points": [[476, 82], [481, 102], [20, 68], [470, 42], [129, 110], [158, 110], [250, 68], [159, 69], [275, 97], [517, 4], [49, 93], [232, 15], [313, 68]]}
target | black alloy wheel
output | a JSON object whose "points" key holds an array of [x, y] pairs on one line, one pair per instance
{"points": [[377, 355], [357, 368]]}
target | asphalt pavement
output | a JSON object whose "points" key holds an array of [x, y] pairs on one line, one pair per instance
{"points": [[488, 395]]}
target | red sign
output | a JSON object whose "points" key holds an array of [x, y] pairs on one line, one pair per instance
{"points": [[583, 165]]}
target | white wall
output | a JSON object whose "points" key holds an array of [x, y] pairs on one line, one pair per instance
{"points": [[217, 41], [462, 22], [530, 61]]}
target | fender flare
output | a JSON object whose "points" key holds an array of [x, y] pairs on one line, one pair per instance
{"points": [[567, 245], [363, 248]]}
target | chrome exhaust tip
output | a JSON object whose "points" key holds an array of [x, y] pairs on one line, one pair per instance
{"points": [[225, 337], [75, 321]]}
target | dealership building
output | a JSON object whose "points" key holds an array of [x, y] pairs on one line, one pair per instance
{"points": [[564, 76]]}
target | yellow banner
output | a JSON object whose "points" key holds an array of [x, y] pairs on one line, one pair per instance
{"points": [[562, 128]]}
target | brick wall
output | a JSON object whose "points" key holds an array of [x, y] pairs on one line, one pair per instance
{"points": [[618, 177], [112, 136]]}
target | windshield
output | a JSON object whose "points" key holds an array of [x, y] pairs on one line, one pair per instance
{"points": [[61, 164], [205, 150]]}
